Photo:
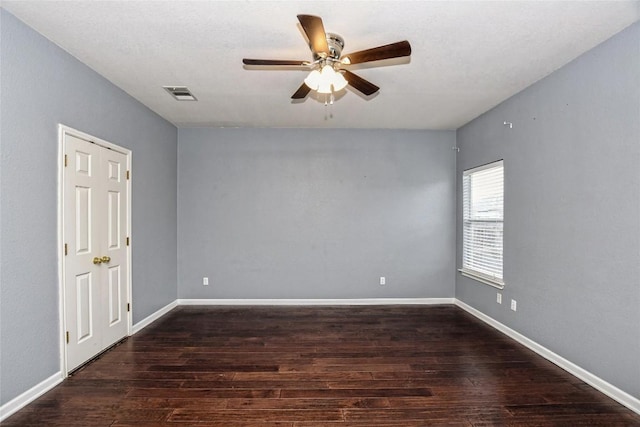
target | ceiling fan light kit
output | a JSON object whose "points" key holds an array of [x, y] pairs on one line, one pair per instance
{"points": [[326, 81], [327, 75]]}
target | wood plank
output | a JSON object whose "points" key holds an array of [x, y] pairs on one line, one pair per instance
{"points": [[362, 366]]}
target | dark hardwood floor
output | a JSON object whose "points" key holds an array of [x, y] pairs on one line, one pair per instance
{"points": [[321, 366]]}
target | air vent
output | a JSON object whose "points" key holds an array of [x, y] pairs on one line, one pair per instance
{"points": [[180, 93]]}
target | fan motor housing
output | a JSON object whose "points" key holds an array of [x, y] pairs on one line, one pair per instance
{"points": [[336, 44]]}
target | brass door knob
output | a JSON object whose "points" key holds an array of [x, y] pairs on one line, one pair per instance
{"points": [[106, 259], [97, 260]]}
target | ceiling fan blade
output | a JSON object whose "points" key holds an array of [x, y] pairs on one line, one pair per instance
{"points": [[314, 29], [247, 61], [393, 50], [359, 83], [302, 92]]}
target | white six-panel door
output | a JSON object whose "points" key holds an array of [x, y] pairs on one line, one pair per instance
{"points": [[95, 265], [114, 246]]}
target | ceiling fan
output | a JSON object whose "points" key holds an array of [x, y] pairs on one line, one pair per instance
{"points": [[327, 73]]}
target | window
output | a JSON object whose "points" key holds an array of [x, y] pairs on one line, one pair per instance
{"points": [[482, 223]]}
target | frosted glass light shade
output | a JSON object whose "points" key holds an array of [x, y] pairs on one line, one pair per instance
{"points": [[324, 87], [327, 71], [326, 80], [313, 80], [339, 82]]}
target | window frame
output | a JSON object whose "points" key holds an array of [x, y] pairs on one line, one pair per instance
{"points": [[491, 280]]}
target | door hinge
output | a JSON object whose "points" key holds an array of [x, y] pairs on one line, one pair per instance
{"points": [[127, 241], [67, 337], [128, 174], [66, 161], [128, 306], [66, 249]]}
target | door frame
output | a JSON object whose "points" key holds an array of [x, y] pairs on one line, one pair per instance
{"points": [[62, 132]]}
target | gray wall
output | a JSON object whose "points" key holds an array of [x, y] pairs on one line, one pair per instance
{"points": [[41, 86], [322, 214], [572, 210], [285, 213]]}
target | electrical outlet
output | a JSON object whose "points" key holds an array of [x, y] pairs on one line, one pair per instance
{"points": [[499, 298], [205, 281], [383, 281], [513, 305]]}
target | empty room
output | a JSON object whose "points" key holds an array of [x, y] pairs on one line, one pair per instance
{"points": [[320, 213]]}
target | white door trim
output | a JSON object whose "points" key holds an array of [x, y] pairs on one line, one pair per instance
{"points": [[62, 131]]}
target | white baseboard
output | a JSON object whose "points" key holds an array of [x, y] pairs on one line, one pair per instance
{"points": [[38, 390], [153, 317], [30, 395], [346, 301], [596, 382]]}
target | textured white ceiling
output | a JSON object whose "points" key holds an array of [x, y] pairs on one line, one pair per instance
{"points": [[468, 56]]}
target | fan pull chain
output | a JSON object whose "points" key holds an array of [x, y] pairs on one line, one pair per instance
{"points": [[331, 106], [328, 105]]}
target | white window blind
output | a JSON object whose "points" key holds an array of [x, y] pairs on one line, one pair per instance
{"points": [[483, 220]]}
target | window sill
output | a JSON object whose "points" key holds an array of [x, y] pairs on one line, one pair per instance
{"points": [[487, 281]]}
